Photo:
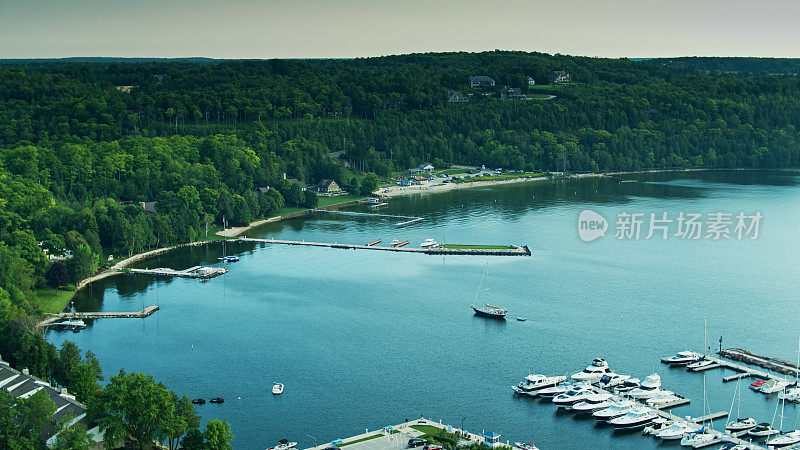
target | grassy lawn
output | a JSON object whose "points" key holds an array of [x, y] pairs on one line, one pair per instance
{"points": [[539, 96], [327, 201], [482, 247], [374, 436], [438, 435], [212, 234], [53, 300], [509, 176]]}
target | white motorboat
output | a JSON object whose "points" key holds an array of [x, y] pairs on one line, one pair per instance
{"points": [[697, 438], [572, 396], [681, 358], [633, 419], [429, 243], [277, 388], [617, 409], [784, 439], [554, 391], [700, 364], [594, 402], [283, 444], [772, 386], [524, 446], [611, 380], [662, 398], [649, 387], [792, 395], [658, 424], [764, 429], [627, 386], [593, 372], [735, 426], [677, 430], [536, 382]]}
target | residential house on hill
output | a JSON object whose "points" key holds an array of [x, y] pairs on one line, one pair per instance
{"points": [[261, 190], [531, 81], [327, 186], [148, 207], [559, 76], [509, 93], [426, 168], [481, 81], [456, 97]]}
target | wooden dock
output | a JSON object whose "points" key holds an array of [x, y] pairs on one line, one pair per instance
{"points": [[142, 313], [744, 371], [203, 273], [512, 251], [406, 220]]}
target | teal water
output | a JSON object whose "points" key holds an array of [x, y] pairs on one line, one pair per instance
{"points": [[363, 339]]}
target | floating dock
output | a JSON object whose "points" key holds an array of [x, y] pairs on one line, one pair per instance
{"points": [[142, 313], [511, 251], [406, 220], [192, 272]]}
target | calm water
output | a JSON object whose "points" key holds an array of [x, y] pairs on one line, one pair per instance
{"points": [[363, 339]]}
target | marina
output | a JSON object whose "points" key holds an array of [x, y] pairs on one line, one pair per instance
{"points": [[431, 250]]}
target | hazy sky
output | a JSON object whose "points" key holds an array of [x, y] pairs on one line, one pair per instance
{"points": [[348, 28]]}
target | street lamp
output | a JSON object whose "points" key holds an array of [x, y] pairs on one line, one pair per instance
{"points": [[315, 440]]}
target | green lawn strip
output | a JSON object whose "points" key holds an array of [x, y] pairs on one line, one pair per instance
{"points": [[438, 435], [53, 300], [328, 201], [482, 247], [374, 436]]}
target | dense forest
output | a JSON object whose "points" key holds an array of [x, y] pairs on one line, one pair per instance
{"points": [[83, 142]]}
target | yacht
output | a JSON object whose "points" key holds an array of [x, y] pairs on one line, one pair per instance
{"points": [[593, 372], [699, 438], [700, 364], [617, 409], [662, 398], [649, 387], [572, 396], [524, 446], [735, 426], [756, 385], [677, 430], [793, 394], [554, 391], [283, 444], [633, 419], [681, 358], [627, 386], [495, 312], [611, 380], [658, 424], [772, 386], [277, 388], [594, 402], [784, 439], [764, 429], [429, 243], [534, 383]]}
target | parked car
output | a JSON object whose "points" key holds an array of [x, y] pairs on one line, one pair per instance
{"points": [[417, 442], [432, 447]]}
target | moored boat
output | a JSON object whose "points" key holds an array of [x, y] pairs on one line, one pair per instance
{"points": [[611, 380], [429, 243], [763, 429], [534, 383], [634, 419], [681, 358], [594, 402], [495, 312], [735, 426], [526, 446], [572, 396], [283, 444], [617, 409], [649, 387], [277, 388], [217, 400], [627, 386], [700, 364], [593, 372], [199, 401], [677, 430], [784, 439], [662, 398], [697, 438]]}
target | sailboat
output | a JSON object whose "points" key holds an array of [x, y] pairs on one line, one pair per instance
{"points": [[702, 436], [791, 437], [494, 312], [740, 424]]}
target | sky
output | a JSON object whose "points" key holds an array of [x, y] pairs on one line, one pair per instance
{"points": [[353, 28]]}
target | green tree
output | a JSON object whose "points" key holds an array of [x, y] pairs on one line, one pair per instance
{"points": [[218, 435], [56, 275], [311, 199], [136, 405], [74, 437], [294, 195], [83, 263], [369, 184], [184, 418]]}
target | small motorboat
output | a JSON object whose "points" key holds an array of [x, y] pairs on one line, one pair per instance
{"points": [[429, 243], [532, 384], [700, 364], [554, 391], [217, 400], [627, 386], [528, 446], [594, 402], [735, 426], [732, 446], [793, 395], [772, 386], [681, 358], [572, 396], [676, 430], [495, 312], [199, 401], [283, 444], [784, 439], [72, 324], [649, 387], [662, 398], [277, 388], [699, 438], [593, 372], [229, 259], [634, 419], [521, 319], [611, 380], [756, 385], [617, 409], [658, 424], [764, 429]]}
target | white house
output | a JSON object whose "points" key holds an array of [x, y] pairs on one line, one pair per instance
{"points": [[531, 81]]}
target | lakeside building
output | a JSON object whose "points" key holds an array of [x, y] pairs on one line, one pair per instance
{"points": [[560, 77], [481, 81], [327, 186]]}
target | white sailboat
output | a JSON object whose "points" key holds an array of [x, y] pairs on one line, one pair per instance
{"points": [[740, 424], [701, 437]]}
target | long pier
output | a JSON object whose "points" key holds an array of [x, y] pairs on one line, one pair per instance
{"points": [[766, 362], [141, 314], [192, 272], [738, 354], [407, 220], [511, 251]]}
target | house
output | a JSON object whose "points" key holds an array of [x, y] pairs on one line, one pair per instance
{"points": [[481, 81], [426, 168], [148, 207], [559, 76], [327, 186], [405, 182], [68, 410], [509, 93], [492, 439], [456, 97], [531, 81], [261, 190], [124, 89], [414, 171]]}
